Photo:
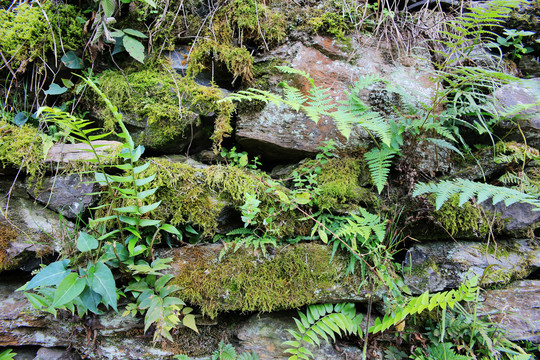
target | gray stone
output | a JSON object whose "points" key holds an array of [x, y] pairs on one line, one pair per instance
{"points": [[279, 133], [29, 230], [437, 266], [56, 354], [516, 310], [65, 194], [66, 153], [519, 219], [525, 93], [265, 334]]}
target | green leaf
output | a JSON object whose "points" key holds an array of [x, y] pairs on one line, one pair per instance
{"points": [[302, 198], [70, 287], [101, 280], [37, 301], [53, 274], [91, 300], [135, 33], [189, 321], [132, 209], [55, 89], [149, 222], [323, 235], [144, 194], [282, 197], [134, 48], [141, 168], [147, 208], [72, 61], [108, 7], [129, 220], [86, 242], [67, 83], [144, 181], [170, 229]]}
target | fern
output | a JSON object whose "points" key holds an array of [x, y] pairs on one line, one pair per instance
{"points": [[379, 161], [445, 351], [466, 292], [467, 189], [321, 322]]}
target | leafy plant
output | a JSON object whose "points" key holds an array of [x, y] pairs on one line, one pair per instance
{"points": [[125, 245], [225, 352], [467, 189], [7, 354], [514, 41], [321, 322]]}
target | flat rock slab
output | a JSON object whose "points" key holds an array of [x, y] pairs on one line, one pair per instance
{"points": [[278, 131], [437, 266], [516, 309], [66, 194], [28, 230], [286, 278], [66, 153]]}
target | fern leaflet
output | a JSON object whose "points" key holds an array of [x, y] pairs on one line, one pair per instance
{"points": [[467, 189], [379, 161]]}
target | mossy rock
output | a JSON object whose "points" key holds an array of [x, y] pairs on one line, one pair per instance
{"points": [[26, 34], [292, 276], [199, 195], [28, 145], [164, 111]]}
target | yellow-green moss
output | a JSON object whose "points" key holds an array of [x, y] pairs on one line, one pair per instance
{"points": [[197, 195], [7, 235], [340, 184], [244, 281], [26, 35], [468, 220], [237, 60], [21, 147], [164, 100]]}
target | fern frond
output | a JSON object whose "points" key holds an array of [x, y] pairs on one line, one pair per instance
{"points": [[319, 103], [321, 322], [445, 351], [366, 81], [379, 161], [467, 189], [445, 145], [294, 97], [255, 94], [293, 71]]}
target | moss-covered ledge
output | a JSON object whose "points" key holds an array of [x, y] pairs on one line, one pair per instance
{"points": [[289, 277]]}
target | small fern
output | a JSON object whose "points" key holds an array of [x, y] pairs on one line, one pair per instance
{"points": [[466, 292], [379, 161], [468, 189], [445, 351], [321, 322]]}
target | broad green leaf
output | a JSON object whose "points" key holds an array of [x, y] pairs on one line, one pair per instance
{"points": [[149, 222], [37, 301], [170, 229], [243, 161], [147, 208], [323, 235], [129, 220], [55, 89], [144, 181], [72, 61], [139, 150], [108, 7], [141, 168], [67, 83], [86, 242], [144, 194], [91, 299], [134, 48], [70, 287], [101, 280], [53, 274], [282, 197], [133, 209], [135, 33], [189, 321], [302, 198]]}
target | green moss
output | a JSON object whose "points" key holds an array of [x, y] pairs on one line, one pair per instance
{"points": [[330, 23], [163, 100], [7, 235], [197, 195], [340, 184], [237, 60], [468, 220], [21, 147], [294, 276], [26, 34]]}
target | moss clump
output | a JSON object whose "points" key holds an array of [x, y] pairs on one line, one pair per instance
{"points": [[294, 276], [21, 147], [7, 235], [340, 184], [468, 220], [26, 34], [164, 101], [237, 60], [330, 23], [197, 195]]}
